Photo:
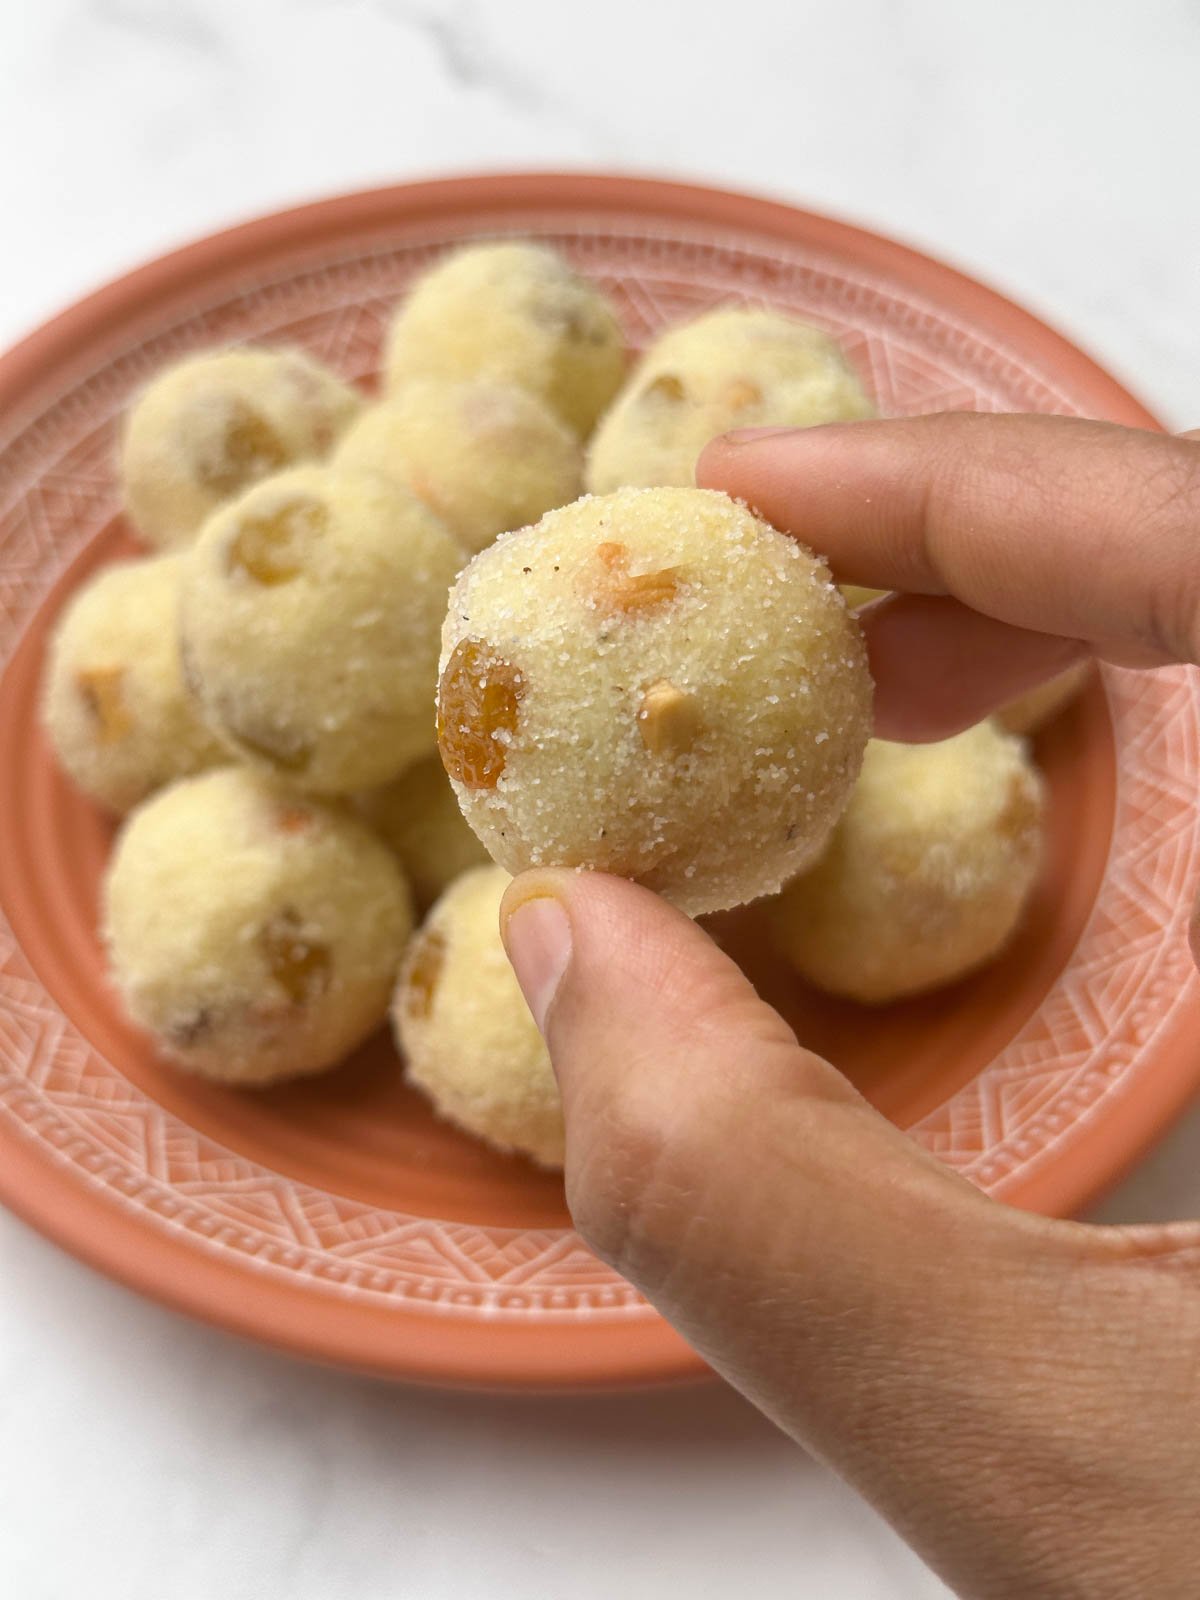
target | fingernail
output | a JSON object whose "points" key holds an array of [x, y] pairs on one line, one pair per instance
{"points": [[537, 936], [752, 435]]}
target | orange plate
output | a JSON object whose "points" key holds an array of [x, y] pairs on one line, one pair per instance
{"points": [[336, 1218]]}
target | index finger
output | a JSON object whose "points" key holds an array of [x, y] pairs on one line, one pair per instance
{"points": [[1057, 525]]}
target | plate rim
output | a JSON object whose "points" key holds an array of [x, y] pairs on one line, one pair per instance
{"points": [[412, 1345]]}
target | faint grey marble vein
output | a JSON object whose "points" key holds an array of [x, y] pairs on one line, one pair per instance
{"points": [[471, 59], [177, 24]]}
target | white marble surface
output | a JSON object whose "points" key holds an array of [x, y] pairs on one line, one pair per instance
{"points": [[1049, 148]]}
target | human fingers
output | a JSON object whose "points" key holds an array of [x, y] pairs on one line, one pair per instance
{"points": [[1082, 530], [940, 667], [909, 1331], [862, 1313]]}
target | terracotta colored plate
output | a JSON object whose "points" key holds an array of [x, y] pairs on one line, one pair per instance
{"points": [[337, 1219]]}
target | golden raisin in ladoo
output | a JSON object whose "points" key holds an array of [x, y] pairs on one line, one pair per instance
{"points": [[255, 934], [1031, 711], [466, 1032], [514, 313], [309, 626], [653, 683], [206, 429], [733, 368], [417, 815], [485, 456], [479, 697], [114, 702], [927, 873]]}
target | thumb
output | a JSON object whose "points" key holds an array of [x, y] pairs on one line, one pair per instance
{"points": [[711, 1159], [903, 1327]]}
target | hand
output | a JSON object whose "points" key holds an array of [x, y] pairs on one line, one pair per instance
{"points": [[1020, 1397]]}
